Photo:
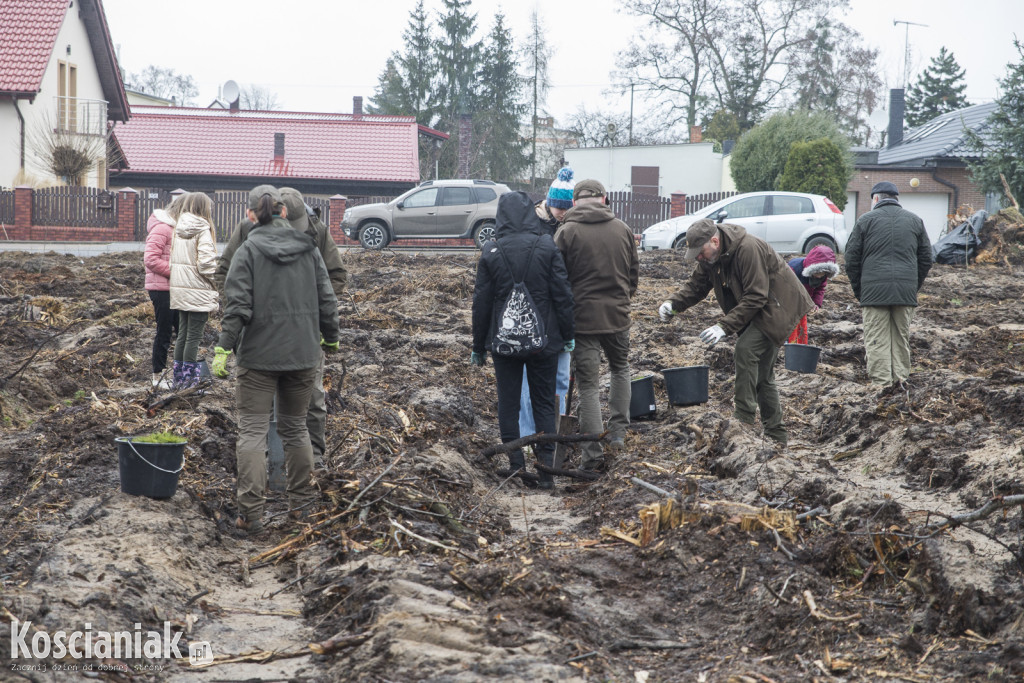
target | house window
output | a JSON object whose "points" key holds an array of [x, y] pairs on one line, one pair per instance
{"points": [[67, 93]]}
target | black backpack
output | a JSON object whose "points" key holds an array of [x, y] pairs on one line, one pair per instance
{"points": [[520, 330]]}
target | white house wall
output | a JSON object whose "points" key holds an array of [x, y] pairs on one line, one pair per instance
{"points": [[690, 168], [44, 107]]}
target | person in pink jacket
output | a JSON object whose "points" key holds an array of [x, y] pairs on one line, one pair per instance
{"points": [[813, 271], [157, 259]]}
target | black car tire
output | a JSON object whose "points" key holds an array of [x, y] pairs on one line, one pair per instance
{"points": [[374, 235], [484, 233], [820, 240], [680, 243]]}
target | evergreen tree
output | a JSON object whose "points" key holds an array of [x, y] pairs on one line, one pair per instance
{"points": [[759, 157], [405, 86], [817, 167], [499, 144], [938, 90], [537, 54], [458, 61], [1004, 137]]}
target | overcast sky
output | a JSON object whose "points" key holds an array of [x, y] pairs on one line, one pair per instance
{"points": [[319, 53]]}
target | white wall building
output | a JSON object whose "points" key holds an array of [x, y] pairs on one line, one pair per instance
{"points": [[693, 168]]}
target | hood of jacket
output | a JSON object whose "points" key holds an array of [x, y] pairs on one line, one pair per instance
{"points": [[159, 216], [280, 242], [516, 214], [820, 261], [589, 212], [189, 225]]}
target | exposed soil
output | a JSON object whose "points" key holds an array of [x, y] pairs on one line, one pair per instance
{"points": [[531, 586]]}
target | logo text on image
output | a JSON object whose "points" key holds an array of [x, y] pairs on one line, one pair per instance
{"points": [[91, 644], [200, 653]]}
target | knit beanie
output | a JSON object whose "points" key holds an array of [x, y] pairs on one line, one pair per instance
{"points": [[560, 192]]}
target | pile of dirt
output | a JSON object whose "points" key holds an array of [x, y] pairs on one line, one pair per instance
{"points": [[841, 556]]}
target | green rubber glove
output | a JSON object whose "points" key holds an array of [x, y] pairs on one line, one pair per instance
{"points": [[569, 346], [477, 359], [219, 367], [330, 347]]}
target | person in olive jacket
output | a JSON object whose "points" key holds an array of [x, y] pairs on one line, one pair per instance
{"points": [[762, 300], [279, 311], [522, 250], [888, 258], [604, 269]]}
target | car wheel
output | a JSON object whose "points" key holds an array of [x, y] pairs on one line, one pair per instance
{"points": [[680, 243], [820, 240], [484, 233], [373, 235]]}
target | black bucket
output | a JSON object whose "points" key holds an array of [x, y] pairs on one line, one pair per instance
{"points": [[149, 469], [686, 386], [641, 400], [802, 357]]}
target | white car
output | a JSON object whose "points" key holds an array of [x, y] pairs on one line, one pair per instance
{"points": [[791, 222]]}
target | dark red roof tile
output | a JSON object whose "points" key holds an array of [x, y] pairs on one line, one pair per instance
{"points": [[28, 32]]}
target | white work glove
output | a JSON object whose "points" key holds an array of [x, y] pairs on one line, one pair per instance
{"points": [[712, 335], [665, 311]]}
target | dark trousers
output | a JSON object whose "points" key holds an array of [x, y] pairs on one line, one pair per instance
{"points": [[540, 375], [166, 323]]}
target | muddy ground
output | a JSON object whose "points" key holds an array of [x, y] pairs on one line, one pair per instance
{"points": [[424, 563]]}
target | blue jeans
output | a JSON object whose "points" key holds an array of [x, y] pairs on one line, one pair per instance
{"points": [[526, 424]]}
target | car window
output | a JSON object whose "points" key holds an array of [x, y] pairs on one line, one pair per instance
{"points": [[744, 208], [457, 196], [783, 204], [422, 198], [484, 195]]}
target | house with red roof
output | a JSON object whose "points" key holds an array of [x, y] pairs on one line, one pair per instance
{"points": [[60, 89], [215, 149]]}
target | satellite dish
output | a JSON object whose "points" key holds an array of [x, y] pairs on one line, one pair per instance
{"points": [[611, 128], [231, 91]]}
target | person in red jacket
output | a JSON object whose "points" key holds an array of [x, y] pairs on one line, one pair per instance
{"points": [[157, 259], [813, 271]]}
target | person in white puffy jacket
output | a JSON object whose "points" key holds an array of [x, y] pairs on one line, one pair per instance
{"points": [[193, 293]]}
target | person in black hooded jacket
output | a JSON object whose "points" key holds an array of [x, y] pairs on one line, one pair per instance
{"points": [[531, 255]]}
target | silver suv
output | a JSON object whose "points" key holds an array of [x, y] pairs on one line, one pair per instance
{"points": [[434, 209]]}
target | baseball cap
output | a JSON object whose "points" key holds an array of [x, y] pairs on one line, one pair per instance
{"points": [[886, 187], [256, 193], [697, 236], [588, 188], [292, 199]]}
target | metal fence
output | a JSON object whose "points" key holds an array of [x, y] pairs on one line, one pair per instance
{"points": [[6, 206], [639, 211], [74, 207], [696, 202]]}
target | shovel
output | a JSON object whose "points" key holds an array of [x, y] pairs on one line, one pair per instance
{"points": [[565, 423]]}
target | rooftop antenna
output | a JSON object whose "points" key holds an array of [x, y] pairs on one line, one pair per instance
{"points": [[906, 48]]}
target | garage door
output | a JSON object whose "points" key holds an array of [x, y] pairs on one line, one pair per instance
{"points": [[850, 211], [932, 208]]}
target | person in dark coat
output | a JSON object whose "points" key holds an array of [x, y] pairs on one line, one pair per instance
{"points": [[762, 300], [522, 249], [888, 258], [279, 312]]}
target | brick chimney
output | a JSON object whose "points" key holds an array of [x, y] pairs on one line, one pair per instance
{"points": [[357, 105], [695, 135], [278, 146], [465, 144], [897, 104]]}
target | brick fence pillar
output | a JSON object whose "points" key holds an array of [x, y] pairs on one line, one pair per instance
{"points": [[127, 199], [23, 196], [678, 207], [337, 211]]}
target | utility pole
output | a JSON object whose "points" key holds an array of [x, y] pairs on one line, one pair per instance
{"points": [[906, 49], [630, 114]]}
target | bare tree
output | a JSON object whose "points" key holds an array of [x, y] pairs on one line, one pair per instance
{"points": [[258, 98], [598, 128], [537, 54], [163, 82], [62, 152]]}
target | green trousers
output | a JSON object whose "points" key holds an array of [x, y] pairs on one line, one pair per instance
{"points": [[587, 356], [887, 342], [755, 383]]}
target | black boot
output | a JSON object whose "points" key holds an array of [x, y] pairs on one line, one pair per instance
{"points": [[516, 460], [546, 457]]}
